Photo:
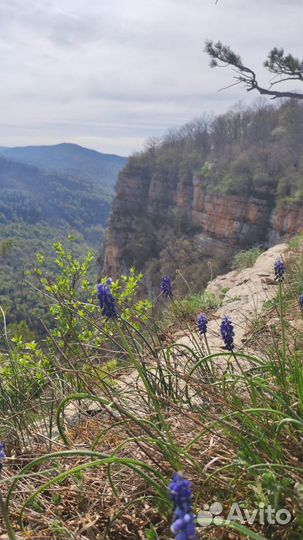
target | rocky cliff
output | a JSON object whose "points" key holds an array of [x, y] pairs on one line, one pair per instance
{"points": [[183, 205], [219, 220]]}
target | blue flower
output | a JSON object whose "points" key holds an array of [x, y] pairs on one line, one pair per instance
{"points": [[279, 270], [202, 323], [227, 333], [166, 287], [107, 301], [301, 301], [2, 455], [183, 526]]}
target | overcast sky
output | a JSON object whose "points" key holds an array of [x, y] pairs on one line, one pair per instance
{"points": [[108, 74]]}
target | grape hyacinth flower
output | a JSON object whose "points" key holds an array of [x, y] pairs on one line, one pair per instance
{"points": [[301, 301], [202, 324], [2, 455], [227, 333], [166, 287], [107, 301], [279, 270], [183, 526]]}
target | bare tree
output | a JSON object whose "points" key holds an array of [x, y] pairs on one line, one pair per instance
{"points": [[284, 67]]}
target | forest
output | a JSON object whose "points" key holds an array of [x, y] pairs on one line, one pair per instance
{"points": [[47, 197]]}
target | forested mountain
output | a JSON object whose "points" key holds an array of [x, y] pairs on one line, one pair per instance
{"points": [[34, 195], [70, 159], [39, 206], [215, 186]]}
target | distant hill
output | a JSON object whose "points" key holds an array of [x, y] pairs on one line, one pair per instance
{"points": [[33, 194], [46, 193], [70, 159]]}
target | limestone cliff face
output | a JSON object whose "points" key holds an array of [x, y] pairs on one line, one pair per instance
{"points": [[212, 222], [234, 220], [286, 221]]}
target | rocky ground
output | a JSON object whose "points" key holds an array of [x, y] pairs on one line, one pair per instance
{"points": [[244, 295]]}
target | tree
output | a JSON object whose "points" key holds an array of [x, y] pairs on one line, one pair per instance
{"points": [[285, 67]]}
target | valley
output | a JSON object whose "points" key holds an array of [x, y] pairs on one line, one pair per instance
{"points": [[47, 195]]}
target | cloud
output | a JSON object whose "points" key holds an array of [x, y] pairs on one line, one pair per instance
{"points": [[115, 73]]}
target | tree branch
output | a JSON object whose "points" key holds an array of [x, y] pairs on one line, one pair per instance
{"points": [[276, 62]]}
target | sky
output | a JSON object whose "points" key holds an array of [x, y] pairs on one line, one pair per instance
{"points": [[110, 74]]}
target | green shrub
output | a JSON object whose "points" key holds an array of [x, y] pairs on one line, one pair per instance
{"points": [[296, 242], [25, 372], [246, 258], [188, 307]]}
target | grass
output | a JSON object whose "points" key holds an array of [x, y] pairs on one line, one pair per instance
{"points": [[296, 242], [119, 433], [246, 258], [186, 309]]}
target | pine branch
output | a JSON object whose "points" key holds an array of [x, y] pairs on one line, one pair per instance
{"points": [[222, 55]]}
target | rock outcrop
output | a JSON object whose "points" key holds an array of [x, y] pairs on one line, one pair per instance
{"points": [[285, 221], [216, 221], [234, 220], [246, 293]]}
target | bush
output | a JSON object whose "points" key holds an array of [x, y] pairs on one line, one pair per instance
{"points": [[246, 258], [187, 308], [296, 242]]}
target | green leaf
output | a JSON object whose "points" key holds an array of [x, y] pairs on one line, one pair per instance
{"points": [[151, 533]]}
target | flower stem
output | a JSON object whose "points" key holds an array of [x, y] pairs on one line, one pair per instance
{"points": [[9, 528], [281, 306]]}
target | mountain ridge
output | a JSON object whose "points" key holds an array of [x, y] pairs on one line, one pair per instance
{"points": [[69, 158], [58, 145], [24, 184]]}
